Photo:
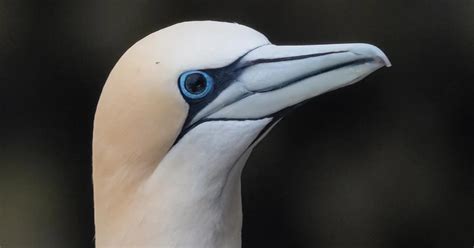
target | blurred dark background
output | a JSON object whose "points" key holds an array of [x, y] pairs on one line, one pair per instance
{"points": [[384, 163]]}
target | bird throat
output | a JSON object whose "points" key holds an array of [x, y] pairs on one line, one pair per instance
{"points": [[193, 197]]}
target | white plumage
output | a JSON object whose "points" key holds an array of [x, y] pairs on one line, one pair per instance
{"points": [[169, 148]]}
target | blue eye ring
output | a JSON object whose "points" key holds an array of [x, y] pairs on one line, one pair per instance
{"points": [[198, 78]]}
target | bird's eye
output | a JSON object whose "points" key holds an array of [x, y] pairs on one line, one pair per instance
{"points": [[195, 84]]}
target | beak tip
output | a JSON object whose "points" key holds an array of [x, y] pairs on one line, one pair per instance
{"points": [[385, 59], [381, 56], [374, 52]]}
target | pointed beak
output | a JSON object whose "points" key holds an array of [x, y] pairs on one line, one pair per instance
{"points": [[272, 78]]}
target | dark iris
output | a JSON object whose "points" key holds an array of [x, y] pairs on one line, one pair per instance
{"points": [[195, 83]]}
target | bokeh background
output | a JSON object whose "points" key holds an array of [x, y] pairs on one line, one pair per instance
{"points": [[385, 163]]}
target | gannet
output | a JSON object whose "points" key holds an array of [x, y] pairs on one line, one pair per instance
{"points": [[180, 114]]}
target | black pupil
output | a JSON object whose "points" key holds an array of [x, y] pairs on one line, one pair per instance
{"points": [[195, 83]]}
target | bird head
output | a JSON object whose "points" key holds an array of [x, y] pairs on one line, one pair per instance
{"points": [[185, 104], [194, 72]]}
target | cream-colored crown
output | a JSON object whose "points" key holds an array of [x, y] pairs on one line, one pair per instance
{"points": [[141, 110]]}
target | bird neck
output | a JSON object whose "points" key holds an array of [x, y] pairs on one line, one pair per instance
{"points": [[191, 199]]}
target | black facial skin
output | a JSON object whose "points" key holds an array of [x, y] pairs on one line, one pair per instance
{"points": [[223, 77]]}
